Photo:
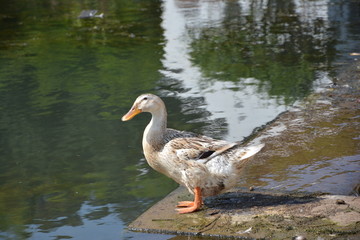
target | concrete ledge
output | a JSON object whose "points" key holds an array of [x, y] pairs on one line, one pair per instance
{"points": [[257, 214]]}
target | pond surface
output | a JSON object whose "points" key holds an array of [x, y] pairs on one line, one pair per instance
{"points": [[69, 168]]}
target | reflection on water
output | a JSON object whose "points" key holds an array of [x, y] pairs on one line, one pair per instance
{"points": [[332, 175], [335, 176], [70, 168], [249, 61], [103, 218]]}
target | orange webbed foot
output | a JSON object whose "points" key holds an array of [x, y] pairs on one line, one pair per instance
{"points": [[188, 209], [185, 204], [188, 206]]}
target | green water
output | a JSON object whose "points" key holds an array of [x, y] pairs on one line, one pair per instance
{"points": [[69, 168]]}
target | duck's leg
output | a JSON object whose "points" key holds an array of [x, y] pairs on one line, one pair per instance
{"points": [[191, 206]]}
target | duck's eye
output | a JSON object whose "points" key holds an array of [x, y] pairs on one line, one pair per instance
{"points": [[145, 98]]}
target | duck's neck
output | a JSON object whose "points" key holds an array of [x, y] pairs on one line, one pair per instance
{"points": [[155, 131]]}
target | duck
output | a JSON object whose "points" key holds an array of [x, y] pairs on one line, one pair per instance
{"points": [[204, 165]]}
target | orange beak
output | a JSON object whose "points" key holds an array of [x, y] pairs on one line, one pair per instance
{"points": [[132, 113]]}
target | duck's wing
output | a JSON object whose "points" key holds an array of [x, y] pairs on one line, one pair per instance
{"points": [[199, 148]]}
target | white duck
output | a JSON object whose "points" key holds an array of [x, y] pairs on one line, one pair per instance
{"points": [[204, 165]]}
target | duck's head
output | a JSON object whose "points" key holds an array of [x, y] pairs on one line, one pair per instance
{"points": [[144, 103]]}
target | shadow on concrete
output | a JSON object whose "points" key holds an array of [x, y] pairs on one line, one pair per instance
{"points": [[248, 200]]}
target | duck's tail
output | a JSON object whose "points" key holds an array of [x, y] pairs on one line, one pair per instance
{"points": [[244, 154], [226, 168], [232, 161], [251, 151]]}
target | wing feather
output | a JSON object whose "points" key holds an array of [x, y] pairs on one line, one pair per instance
{"points": [[198, 148]]}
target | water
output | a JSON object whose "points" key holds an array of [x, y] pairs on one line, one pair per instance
{"points": [[70, 169]]}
